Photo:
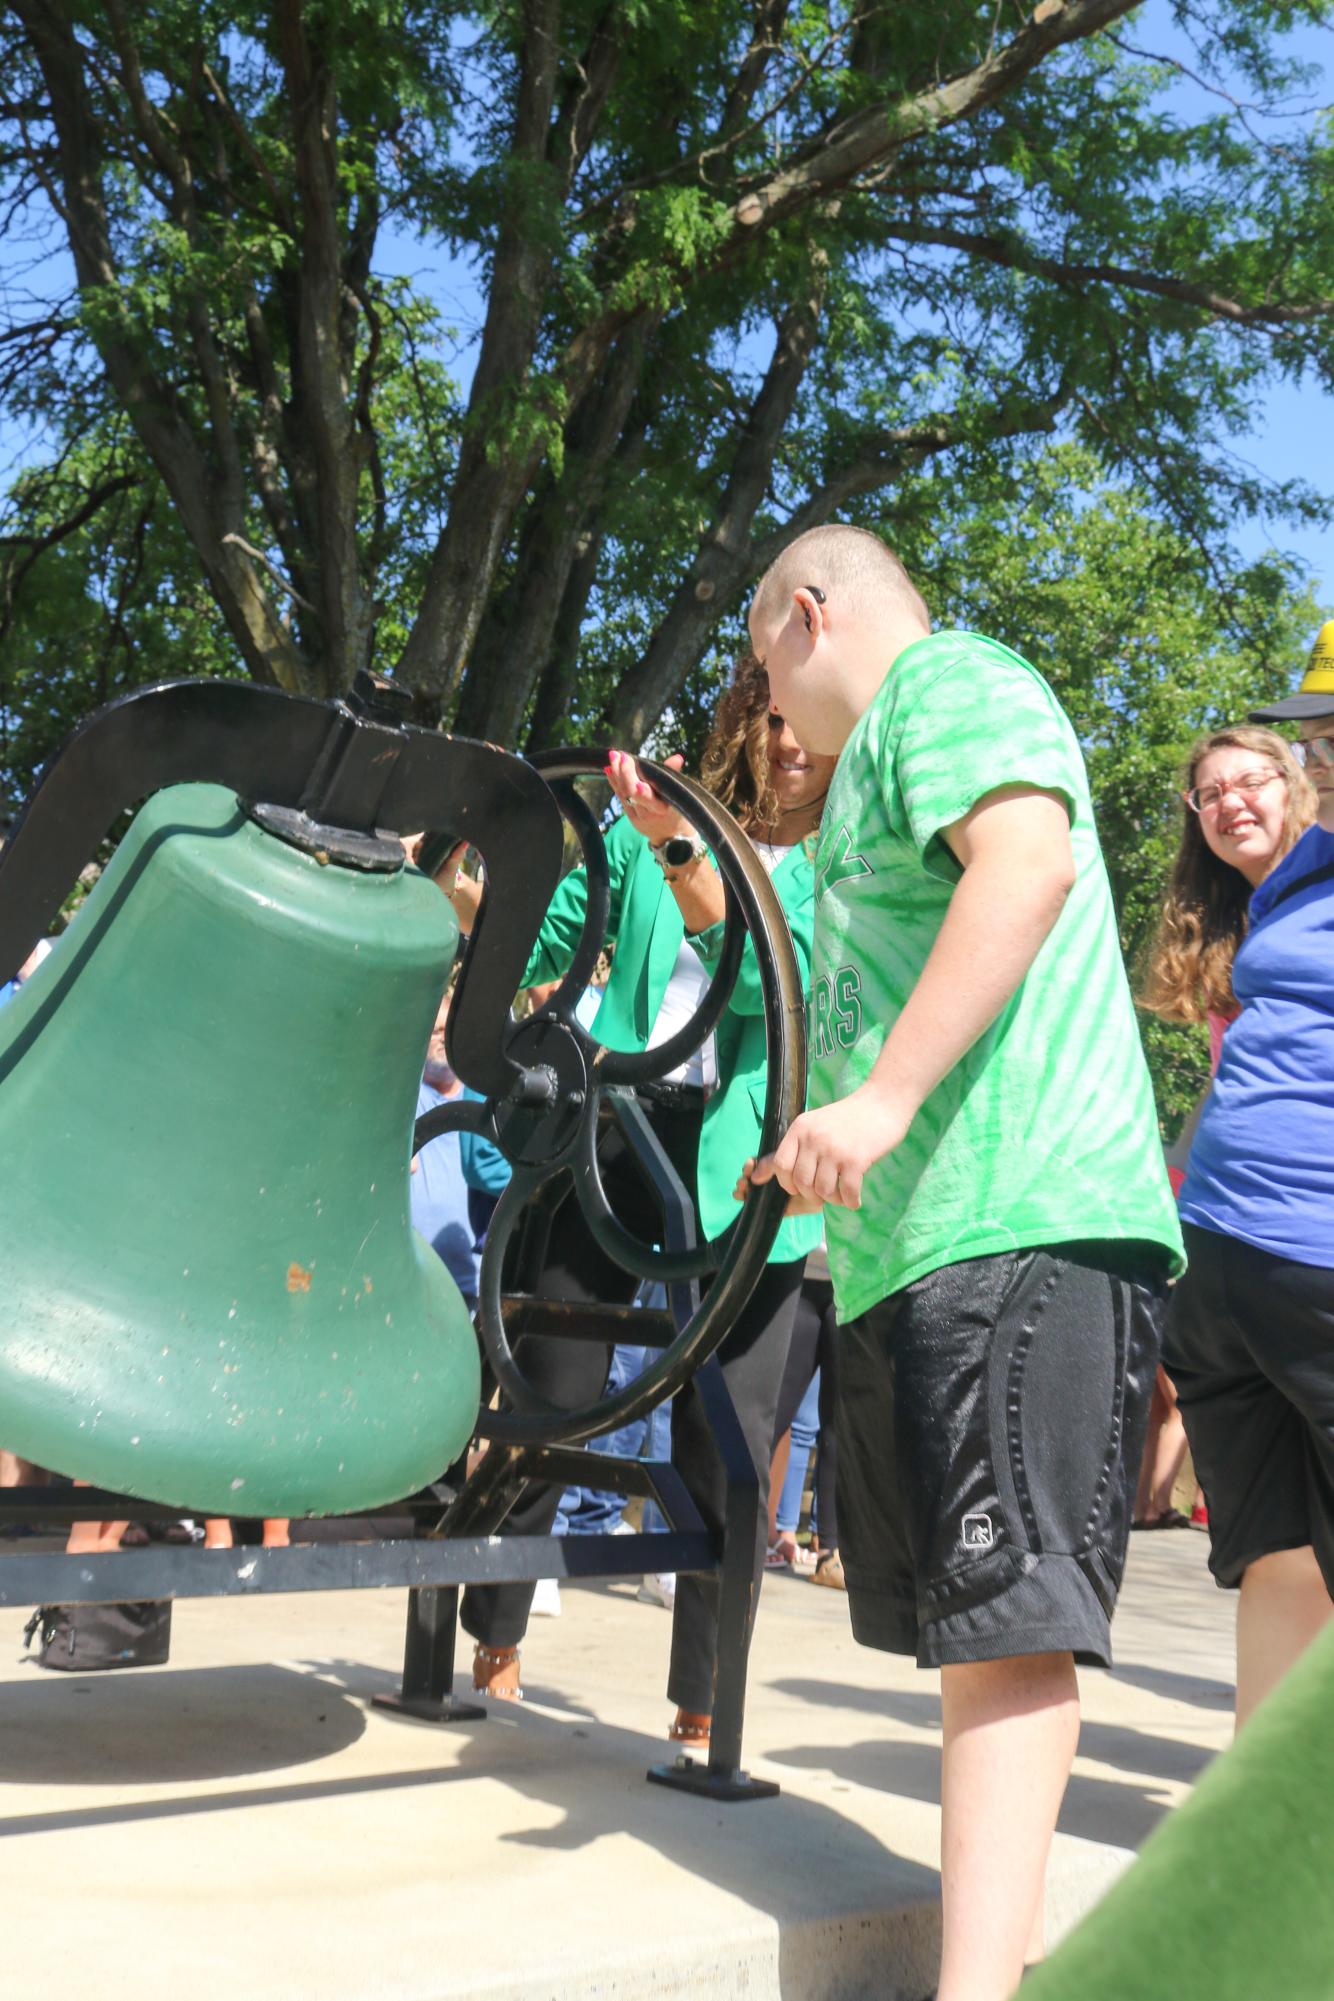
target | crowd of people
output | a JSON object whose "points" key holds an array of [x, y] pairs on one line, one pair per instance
{"points": [[1005, 1248], [985, 1285]]}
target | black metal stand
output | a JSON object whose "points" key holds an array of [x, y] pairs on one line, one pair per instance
{"points": [[428, 1664], [723, 1777]]}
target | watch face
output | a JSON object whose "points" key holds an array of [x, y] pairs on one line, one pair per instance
{"points": [[678, 850]]}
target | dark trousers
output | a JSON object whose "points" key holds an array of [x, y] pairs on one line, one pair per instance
{"points": [[815, 1346], [753, 1356], [573, 1372]]}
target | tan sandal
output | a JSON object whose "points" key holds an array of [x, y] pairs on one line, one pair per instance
{"points": [[691, 1730], [829, 1570], [495, 1671]]}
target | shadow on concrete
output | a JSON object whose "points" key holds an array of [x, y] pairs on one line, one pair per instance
{"points": [[365, 1682], [162, 1727], [1098, 1810], [1177, 1687], [1141, 1753], [813, 1869]]}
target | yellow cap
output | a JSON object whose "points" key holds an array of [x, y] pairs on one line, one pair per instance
{"points": [[1319, 676], [1315, 697]]}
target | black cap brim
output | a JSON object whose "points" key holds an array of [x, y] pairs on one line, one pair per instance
{"points": [[1297, 709]]}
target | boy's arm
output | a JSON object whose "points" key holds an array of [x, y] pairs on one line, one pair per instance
{"points": [[1018, 869]]}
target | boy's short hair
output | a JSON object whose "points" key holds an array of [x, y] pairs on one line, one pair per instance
{"points": [[851, 564]]}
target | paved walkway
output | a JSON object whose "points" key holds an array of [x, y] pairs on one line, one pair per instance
{"points": [[241, 1823]]}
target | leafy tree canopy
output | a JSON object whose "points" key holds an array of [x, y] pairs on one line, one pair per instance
{"points": [[741, 268]]}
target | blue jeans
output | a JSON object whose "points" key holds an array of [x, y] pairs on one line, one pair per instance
{"points": [[596, 1510], [805, 1432]]}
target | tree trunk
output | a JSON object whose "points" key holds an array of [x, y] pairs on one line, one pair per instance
{"points": [[722, 563], [494, 473], [265, 645], [514, 644]]}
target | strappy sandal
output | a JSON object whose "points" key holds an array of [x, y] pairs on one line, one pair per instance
{"points": [[691, 1730], [829, 1570], [495, 1671], [786, 1553]]}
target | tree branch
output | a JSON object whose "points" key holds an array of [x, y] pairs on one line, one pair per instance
{"points": [[854, 145], [722, 555], [1012, 255], [766, 37], [877, 464], [489, 484], [586, 97], [320, 388], [79, 199], [13, 574], [898, 451], [515, 639]]}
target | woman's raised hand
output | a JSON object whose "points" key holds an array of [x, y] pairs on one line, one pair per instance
{"points": [[463, 891], [646, 810]]}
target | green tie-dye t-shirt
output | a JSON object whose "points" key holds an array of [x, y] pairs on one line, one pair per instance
{"points": [[1044, 1132]]}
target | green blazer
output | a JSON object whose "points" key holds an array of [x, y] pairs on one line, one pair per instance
{"points": [[646, 927]]}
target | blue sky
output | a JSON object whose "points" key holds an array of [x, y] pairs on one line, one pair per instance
{"points": [[1293, 432]]}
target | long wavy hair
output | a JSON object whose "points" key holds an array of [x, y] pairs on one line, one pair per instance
{"points": [[735, 764], [1188, 967]]}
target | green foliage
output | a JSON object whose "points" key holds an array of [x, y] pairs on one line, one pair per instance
{"points": [[1144, 646]]}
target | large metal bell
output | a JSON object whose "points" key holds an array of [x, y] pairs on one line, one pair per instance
{"points": [[212, 1296]]}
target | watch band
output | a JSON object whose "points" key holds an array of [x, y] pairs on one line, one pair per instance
{"points": [[677, 851]]}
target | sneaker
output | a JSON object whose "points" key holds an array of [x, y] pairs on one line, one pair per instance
{"points": [[658, 1588], [546, 1599]]}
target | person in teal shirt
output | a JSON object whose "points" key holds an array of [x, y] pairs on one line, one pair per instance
{"points": [[665, 931]]}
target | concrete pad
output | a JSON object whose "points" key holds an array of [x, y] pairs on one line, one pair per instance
{"points": [[242, 1822]]}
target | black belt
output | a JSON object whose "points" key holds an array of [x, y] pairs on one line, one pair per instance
{"points": [[674, 1097]]}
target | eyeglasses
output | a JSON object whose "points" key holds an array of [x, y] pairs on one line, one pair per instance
{"points": [[1310, 750], [1208, 798]]}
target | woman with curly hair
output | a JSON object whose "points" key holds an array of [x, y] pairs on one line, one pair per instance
{"points": [[1246, 803], [665, 933], [1250, 1336]]}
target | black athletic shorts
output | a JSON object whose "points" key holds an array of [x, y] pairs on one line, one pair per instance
{"points": [[991, 1419], [1250, 1347]]}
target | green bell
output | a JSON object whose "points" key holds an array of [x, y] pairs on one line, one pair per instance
{"points": [[213, 1295]]}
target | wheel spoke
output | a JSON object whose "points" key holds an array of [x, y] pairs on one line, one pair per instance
{"points": [[736, 1257]]}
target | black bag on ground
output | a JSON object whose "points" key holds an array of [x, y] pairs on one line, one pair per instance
{"points": [[80, 1638]]}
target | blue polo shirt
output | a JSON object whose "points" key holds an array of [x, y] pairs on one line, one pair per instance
{"points": [[1262, 1164]]}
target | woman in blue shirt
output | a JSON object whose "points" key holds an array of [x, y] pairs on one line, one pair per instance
{"points": [[1250, 1343]]}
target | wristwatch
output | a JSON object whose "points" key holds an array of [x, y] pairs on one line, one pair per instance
{"points": [[677, 850]]}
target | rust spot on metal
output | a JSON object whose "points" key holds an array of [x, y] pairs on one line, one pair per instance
{"points": [[298, 1278]]}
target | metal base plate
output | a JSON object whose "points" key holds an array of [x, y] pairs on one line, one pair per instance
{"points": [[425, 1709], [688, 1777]]}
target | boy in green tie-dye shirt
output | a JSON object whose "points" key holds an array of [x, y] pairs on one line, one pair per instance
{"points": [[981, 1135]]}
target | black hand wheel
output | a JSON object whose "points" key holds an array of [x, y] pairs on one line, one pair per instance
{"points": [[554, 1134]]}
